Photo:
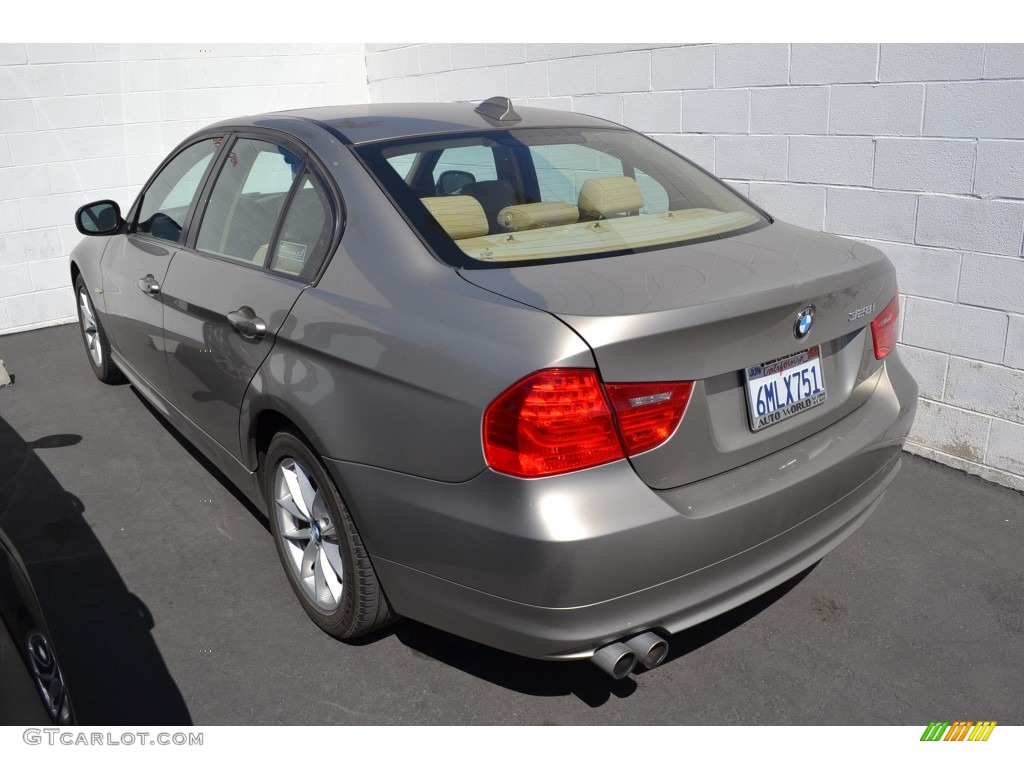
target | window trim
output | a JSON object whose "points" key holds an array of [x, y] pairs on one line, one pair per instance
{"points": [[136, 209], [312, 163]]}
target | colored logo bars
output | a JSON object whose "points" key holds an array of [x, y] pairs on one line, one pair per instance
{"points": [[961, 730]]}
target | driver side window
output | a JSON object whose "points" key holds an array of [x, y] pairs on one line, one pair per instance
{"points": [[167, 199]]}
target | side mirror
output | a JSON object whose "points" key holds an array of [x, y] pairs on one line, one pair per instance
{"points": [[450, 182], [100, 218]]}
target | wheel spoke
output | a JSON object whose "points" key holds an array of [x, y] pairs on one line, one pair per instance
{"points": [[333, 554], [300, 488], [308, 558], [291, 478], [320, 589], [330, 575], [287, 503], [297, 534]]}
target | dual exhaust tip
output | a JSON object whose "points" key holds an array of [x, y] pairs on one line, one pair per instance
{"points": [[619, 659]]}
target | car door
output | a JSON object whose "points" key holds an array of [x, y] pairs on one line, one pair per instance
{"points": [[134, 265], [265, 228]]}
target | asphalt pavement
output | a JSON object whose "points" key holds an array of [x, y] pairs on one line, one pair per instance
{"points": [[168, 605]]}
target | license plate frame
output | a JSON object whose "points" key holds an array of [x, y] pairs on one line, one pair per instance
{"points": [[784, 380]]}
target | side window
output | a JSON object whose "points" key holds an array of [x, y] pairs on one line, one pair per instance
{"points": [[457, 164], [246, 201], [562, 169], [306, 231], [167, 199]]}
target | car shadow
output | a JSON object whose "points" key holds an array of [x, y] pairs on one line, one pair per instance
{"points": [[534, 677], [206, 464], [102, 632]]}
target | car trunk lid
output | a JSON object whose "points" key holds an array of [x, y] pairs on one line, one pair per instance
{"points": [[707, 312]]}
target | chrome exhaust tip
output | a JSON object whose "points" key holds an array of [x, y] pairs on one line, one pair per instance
{"points": [[615, 660], [650, 649]]}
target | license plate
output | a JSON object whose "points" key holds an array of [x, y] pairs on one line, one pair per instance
{"points": [[785, 387]]}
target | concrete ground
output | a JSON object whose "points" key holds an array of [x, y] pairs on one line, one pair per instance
{"points": [[168, 605]]}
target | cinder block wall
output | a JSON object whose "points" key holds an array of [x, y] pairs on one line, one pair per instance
{"points": [[85, 122], [918, 149]]}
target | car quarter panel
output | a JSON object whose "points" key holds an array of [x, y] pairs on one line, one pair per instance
{"points": [[391, 358]]}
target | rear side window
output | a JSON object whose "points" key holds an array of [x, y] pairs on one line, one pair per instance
{"points": [[167, 199], [305, 233], [247, 200]]}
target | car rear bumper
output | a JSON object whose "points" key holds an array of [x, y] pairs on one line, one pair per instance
{"points": [[556, 568]]}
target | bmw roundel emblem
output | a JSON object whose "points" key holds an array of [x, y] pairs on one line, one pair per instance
{"points": [[804, 321]]}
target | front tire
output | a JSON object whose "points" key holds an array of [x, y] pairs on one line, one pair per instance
{"points": [[317, 542], [97, 345]]}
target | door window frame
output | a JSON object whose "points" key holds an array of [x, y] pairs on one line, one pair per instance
{"points": [[136, 209], [311, 163], [193, 218]]}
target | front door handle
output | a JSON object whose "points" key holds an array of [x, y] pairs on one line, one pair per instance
{"points": [[149, 286], [244, 321]]}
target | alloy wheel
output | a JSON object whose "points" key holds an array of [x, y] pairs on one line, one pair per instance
{"points": [[89, 330], [309, 535]]}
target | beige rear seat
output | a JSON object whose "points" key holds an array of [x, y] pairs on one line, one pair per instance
{"points": [[536, 215], [461, 216], [610, 196]]}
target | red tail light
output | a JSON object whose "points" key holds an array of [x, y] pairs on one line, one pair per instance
{"points": [[559, 420], [648, 413], [885, 327]]}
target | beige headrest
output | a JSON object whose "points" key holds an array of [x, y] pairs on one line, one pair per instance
{"points": [[537, 215], [610, 195], [460, 215]]}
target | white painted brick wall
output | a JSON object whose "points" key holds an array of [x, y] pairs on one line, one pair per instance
{"points": [[1014, 356], [990, 226], [846, 160], [925, 165], [752, 157], [871, 213], [975, 110], [1000, 169], [990, 389], [1006, 446], [969, 332], [876, 110], [746, 65], [717, 111], [928, 369], [818, 63], [789, 110], [933, 273], [84, 122], [992, 281], [926, 61]]}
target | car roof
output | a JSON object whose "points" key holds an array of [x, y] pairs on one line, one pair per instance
{"points": [[361, 123]]}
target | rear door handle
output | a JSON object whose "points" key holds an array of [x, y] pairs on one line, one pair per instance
{"points": [[149, 286], [244, 321]]}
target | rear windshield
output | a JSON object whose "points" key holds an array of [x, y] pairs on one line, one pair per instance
{"points": [[524, 196]]}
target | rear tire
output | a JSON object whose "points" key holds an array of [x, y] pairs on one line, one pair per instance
{"points": [[97, 345], [318, 544]]}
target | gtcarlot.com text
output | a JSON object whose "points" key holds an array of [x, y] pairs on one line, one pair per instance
{"points": [[71, 738]]}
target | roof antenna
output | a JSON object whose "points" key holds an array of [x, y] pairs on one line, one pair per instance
{"points": [[498, 108]]}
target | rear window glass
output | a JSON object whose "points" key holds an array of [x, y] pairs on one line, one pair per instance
{"points": [[523, 196]]}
